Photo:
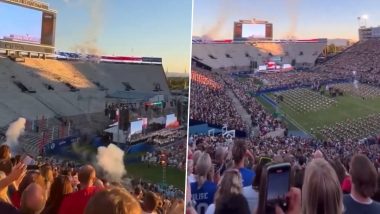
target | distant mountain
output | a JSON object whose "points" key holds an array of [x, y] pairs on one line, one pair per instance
{"points": [[177, 74], [340, 42]]}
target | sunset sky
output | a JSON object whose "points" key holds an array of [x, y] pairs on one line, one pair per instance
{"points": [[301, 19], [124, 27]]}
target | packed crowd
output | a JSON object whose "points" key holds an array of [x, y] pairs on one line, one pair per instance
{"points": [[210, 103], [351, 129], [51, 187], [331, 177], [171, 154], [259, 117], [296, 79], [363, 58]]}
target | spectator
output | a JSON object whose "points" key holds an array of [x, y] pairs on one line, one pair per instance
{"points": [[138, 193], [5, 152], [59, 188], [150, 203], [4, 192], [76, 202], [251, 193], [30, 177], [239, 154], [321, 193], [33, 199], [230, 185], [364, 184], [113, 201], [47, 175], [202, 190], [233, 203]]}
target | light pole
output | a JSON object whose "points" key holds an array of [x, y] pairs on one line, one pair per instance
{"points": [[163, 163]]}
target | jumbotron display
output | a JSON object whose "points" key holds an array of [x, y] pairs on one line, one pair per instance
{"points": [[27, 26], [245, 30], [21, 25], [253, 31]]}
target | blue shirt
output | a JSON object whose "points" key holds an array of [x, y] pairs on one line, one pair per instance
{"points": [[203, 196], [247, 176]]}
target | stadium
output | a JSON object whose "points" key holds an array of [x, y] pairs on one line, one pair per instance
{"points": [[61, 110], [257, 103]]}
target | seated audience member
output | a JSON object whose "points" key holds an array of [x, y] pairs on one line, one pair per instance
{"points": [[321, 192], [202, 191], [76, 202], [233, 203], [60, 187], [230, 185], [239, 153], [364, 184], [113, 201], [33, 199]]}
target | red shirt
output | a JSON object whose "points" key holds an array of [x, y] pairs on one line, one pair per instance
{"points": [[346, 184], [76, 202], [16, 199]]}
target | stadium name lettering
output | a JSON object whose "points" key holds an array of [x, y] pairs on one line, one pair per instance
{"points": [[31, 3]]}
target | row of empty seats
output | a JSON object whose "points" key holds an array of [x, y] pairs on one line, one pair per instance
{"points": [[242, 55]]}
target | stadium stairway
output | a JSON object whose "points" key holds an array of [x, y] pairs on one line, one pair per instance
{"points": [[241, 110]]}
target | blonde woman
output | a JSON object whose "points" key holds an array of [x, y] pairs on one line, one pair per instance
{"points": [[230, 184], [321, 192], [113, 201], [203, 190]]}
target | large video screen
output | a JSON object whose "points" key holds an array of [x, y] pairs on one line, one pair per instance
{"points": [[171, 120], [20, 24], [136, 127], [254, 31]]}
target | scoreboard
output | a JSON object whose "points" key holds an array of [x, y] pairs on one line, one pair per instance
{"points": [[248, 30], [27, 26]]}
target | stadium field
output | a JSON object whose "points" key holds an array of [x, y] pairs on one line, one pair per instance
{"points": [[347, 107], [154, 174]]}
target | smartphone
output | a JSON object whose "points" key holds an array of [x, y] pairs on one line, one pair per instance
{"points": [[274, 185]]}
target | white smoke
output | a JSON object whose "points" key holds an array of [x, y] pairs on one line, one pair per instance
{"points": [[110, 159], [293, 12], [15, 130]]}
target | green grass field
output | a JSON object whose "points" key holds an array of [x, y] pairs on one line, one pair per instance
{"points": [[174, 176], [153, 174], [348, 107]]}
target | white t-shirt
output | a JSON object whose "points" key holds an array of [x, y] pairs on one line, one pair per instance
{"points": [[210, 209], [252, 198], [191, 178]]}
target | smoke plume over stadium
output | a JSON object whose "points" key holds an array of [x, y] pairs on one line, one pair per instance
{"points": [[225, 11], [110, 159], [292, 9], [95, 25], [15, 130]]}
